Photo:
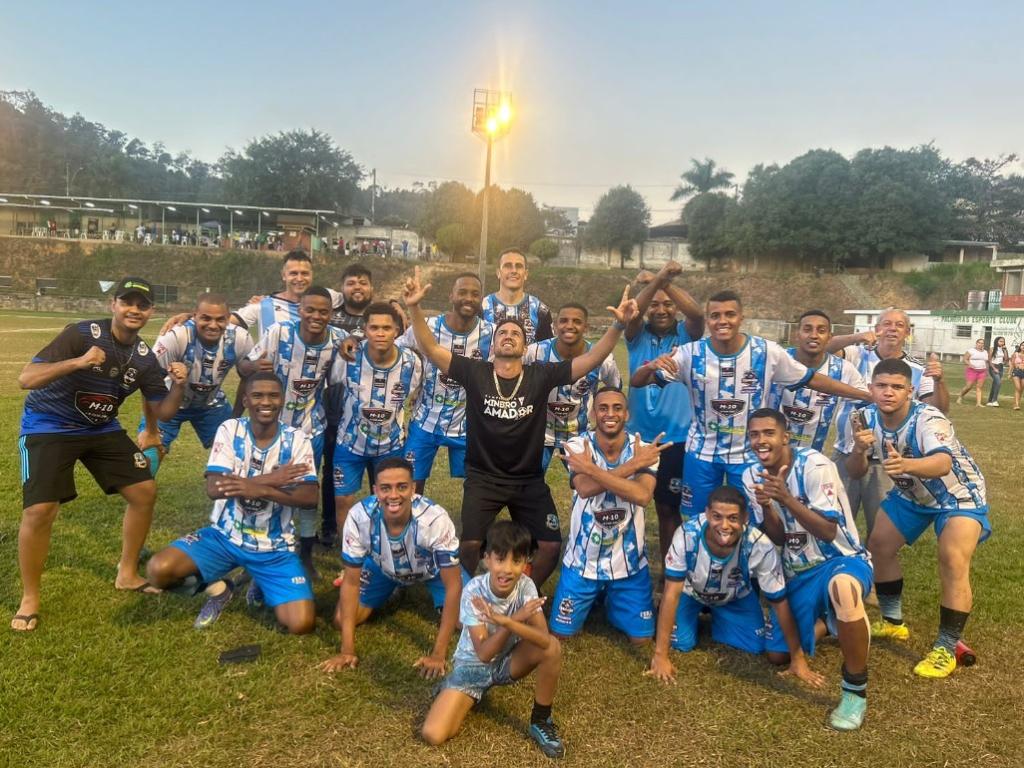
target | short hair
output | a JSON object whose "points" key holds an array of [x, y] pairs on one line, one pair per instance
{"points": [[815, 313], [297, 255], [891, 311], [610, 388], [726, 295], [384, 308], [262, 376], [318, 290], [892, 366], [461, 275], [726, 494], [394, 462], [514, 321], [769, 413], [209, 297], [507, 537], [574, 305], [514, 249], [356, 270]]}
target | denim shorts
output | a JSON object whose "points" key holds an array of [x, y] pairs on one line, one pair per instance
{"points": [[474, 679]]}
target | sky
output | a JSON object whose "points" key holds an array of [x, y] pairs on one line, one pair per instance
{"points": [[603, 93]]}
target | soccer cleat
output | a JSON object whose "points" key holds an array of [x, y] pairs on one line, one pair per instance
{"points": [[254, 596], [938, 663], [546, 736], [965, 656], [886, 629], [213, 607], [849, 715]]}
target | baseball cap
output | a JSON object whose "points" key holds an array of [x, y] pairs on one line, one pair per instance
{"points": [[134, 285]]}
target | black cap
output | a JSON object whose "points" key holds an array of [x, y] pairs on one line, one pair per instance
{"points": [[134, 285]]}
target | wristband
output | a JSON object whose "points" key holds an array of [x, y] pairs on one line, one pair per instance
{"points": [[618, 325]]}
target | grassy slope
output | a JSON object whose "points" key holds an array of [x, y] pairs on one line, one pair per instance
{"points": [[123, 680]]}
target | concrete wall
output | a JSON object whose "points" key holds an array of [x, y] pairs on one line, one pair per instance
{"points": [[651, 254]]}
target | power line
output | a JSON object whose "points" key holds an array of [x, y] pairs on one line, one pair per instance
{"points": [[437, 177]]}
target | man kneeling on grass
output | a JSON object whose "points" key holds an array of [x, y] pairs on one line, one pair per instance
{"points": [[259, 473], [395, 538], [504, 638]]}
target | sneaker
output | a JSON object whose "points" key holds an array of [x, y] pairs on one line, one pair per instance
{"points": [[887, 629], [546, 736], [938, 663], [254, 596], [212, 608], [965, 657], [849, 715], [993, 404]]}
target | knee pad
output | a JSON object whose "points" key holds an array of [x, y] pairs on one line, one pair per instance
{"points": [[845, 593]]}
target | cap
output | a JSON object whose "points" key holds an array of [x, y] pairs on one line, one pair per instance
{"points": [[134, 285]]}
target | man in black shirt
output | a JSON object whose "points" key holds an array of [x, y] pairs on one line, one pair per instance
{"points": [[505, 421]]}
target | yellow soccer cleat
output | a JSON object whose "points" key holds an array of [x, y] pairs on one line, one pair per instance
{"points": [[938, 663], [887, 629]]}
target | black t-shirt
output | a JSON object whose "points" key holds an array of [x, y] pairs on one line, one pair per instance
{"points": [[504, 435]]}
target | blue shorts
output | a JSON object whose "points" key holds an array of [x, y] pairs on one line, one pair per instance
{"points": [[473, 679], [911, 520], [808, 598], [700, 478], [421, 448], [204, 421], [279, 574], [375, 586], [349, 468], [737, 623], [628, 604]]}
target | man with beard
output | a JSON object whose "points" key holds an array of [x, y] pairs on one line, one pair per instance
{"points": [[612, 475], [512, 301], [505, 427], [439, 416]]}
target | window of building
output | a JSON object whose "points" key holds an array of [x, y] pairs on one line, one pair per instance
{"points": [[1013, 283], [962, 331]]}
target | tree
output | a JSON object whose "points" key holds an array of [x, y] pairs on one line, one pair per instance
{"points": [[292, 169], [702, 177], [513, 219], [454, 240], [620, 221], [988, 205], [448, 203], [707, 215], [544, 249]]}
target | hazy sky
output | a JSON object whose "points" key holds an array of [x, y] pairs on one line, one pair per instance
{"points": [[604, 93]]}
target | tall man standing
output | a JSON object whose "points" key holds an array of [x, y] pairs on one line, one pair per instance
{"points": [[512, 301], [505, 427]]}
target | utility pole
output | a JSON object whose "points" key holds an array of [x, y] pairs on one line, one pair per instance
{"points": [[373, 198]]}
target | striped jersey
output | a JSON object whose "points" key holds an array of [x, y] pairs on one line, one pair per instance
{"points": [[927, 431], [426, 545], [373, 408], [814, 480], [725, 389], [809, 414], [653, 410], [207, 366], [441, 405], [275, 309], [522, 592], [715, 580], [531, 312], [302, 370], [606, 533], [865, 359], [257, 525], [568, 407]]}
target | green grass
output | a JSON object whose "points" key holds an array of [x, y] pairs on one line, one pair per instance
{"points": [[120, 679]]}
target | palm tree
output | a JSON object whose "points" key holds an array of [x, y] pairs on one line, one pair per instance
{"points": [[702, 177]]}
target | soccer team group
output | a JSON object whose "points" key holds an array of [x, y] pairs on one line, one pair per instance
{"points": [[722, 429]]}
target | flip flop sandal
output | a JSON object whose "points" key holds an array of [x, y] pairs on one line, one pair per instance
{"points": [[27, 619]]}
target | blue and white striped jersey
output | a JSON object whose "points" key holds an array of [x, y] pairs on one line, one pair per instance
{"points": [[814, 481], [373, 409], [302, 370], [606, 533], [274, 309], [865, 359], [257, 525], [714, 580], [522, 592], [531, 312], [441, 406], [726, 389], [418, 553], [809, 413], [924, 432], [207, 366], [568, 407]]}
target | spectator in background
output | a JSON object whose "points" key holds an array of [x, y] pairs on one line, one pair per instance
{"points": [[1017, 372], [976, 361], [997, 358]]}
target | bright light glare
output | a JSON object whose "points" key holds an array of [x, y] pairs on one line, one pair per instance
{"points": [[89, 205], [505, 112], [172, 208], [492, 124]]}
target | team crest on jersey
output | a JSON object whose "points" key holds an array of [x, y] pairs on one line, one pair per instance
{"points": [[476, 354], [727, 406], [141, 462], [130, 375], [339, 475], [94, 329], [566, 607], [610, 517], [398, 392], [581, 387], [305, 386], [143, 349], [798, 415], [796, 540], [377, 415], [96, 407], [903, 483], [749, 383], [562, 410]]}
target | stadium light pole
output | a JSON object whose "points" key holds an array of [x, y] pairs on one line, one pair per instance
{"points": [[492, 117]]}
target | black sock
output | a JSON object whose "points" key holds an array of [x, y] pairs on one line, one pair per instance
{"points": [[890, 600], [541, 713], [857, 684], [951, 627]]}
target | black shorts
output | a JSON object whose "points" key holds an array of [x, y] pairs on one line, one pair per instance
{"points": [[670, 475], [48, 464], [529, 503]]}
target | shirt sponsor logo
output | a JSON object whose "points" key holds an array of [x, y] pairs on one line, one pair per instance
{"points": [[903, 483], [377, 415], [610, 517], [305, 386], [728, 407], [727, 371], [562, 410], [96, 407], [796, 541], [798, 415]]}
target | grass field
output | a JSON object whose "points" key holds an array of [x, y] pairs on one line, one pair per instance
{"points": [[119, 679]]}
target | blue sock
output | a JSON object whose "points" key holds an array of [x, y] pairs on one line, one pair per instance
{"points": [[951, 627], [890, 600]]}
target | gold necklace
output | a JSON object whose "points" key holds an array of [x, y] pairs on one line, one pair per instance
{"points": [[497, 385]]}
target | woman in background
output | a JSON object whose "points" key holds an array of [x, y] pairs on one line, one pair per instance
{"points": [[997, 358], [976, 361], [1017, 372]]}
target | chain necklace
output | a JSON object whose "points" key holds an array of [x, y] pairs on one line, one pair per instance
{"points": [[122, 363], [515, 389]]}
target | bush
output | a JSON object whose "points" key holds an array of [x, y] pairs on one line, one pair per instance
{"points": [[951, 282], [544, 248], [453, 239]]}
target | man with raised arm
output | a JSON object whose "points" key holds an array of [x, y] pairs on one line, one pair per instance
{"points": [[505, 425]]}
